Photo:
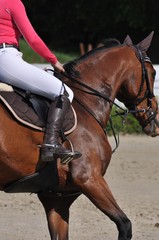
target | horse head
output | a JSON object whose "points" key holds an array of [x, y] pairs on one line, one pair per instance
{"points": [[143, 103]]}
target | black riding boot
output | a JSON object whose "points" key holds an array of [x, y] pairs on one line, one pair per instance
{"points": [[51, 146]]}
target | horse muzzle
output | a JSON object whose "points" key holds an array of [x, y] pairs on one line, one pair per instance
{"points": [[152, 129]]}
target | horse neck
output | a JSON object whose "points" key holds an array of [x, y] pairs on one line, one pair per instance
{"points": [[106, 77]]}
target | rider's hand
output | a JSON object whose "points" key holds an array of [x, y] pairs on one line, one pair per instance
{"points": [[58, 66]]}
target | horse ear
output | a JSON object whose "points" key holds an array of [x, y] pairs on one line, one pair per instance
{"points": [[145, 44], [128, 40]]}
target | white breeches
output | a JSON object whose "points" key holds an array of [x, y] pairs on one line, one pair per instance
{"points": [[15, 71]]}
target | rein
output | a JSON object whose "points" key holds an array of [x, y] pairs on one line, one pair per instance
{"points": [[91, 91], [98, 94]]}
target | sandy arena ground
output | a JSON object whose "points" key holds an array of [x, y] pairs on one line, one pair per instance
{"points": [[133, 176]]}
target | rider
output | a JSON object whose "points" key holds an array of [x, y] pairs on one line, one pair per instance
{"points": [[15, 71]]}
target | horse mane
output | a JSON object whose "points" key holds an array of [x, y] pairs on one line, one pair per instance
{"points": [[70, 66]]}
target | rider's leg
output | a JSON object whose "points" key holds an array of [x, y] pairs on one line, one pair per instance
{"points": [[15, 71], [56, 115]]}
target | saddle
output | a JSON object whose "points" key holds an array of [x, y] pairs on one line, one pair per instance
{"points": [[31, 111]]}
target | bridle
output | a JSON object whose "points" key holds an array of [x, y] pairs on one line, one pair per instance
{"points": [[149, 95]]}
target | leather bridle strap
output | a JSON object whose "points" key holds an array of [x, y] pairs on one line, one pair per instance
{"points": [[144, 59]]}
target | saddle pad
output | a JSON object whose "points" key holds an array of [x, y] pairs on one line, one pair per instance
{"points": [[26, 115]]}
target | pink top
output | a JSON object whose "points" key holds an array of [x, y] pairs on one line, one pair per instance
{"points": [[14, 23]]}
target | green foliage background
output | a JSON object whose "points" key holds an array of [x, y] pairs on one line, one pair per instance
{"points": [[128, 125], [30, 56]]}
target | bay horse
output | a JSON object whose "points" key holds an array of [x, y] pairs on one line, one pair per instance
{"points": [[97, 78]]}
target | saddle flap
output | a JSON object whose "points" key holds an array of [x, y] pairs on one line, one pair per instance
{"points": [[22, 110]]}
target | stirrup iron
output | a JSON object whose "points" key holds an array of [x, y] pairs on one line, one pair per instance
{"points": [[66, 158]]}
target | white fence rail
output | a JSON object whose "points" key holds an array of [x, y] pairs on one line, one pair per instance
{"points": [[156, 86]]}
